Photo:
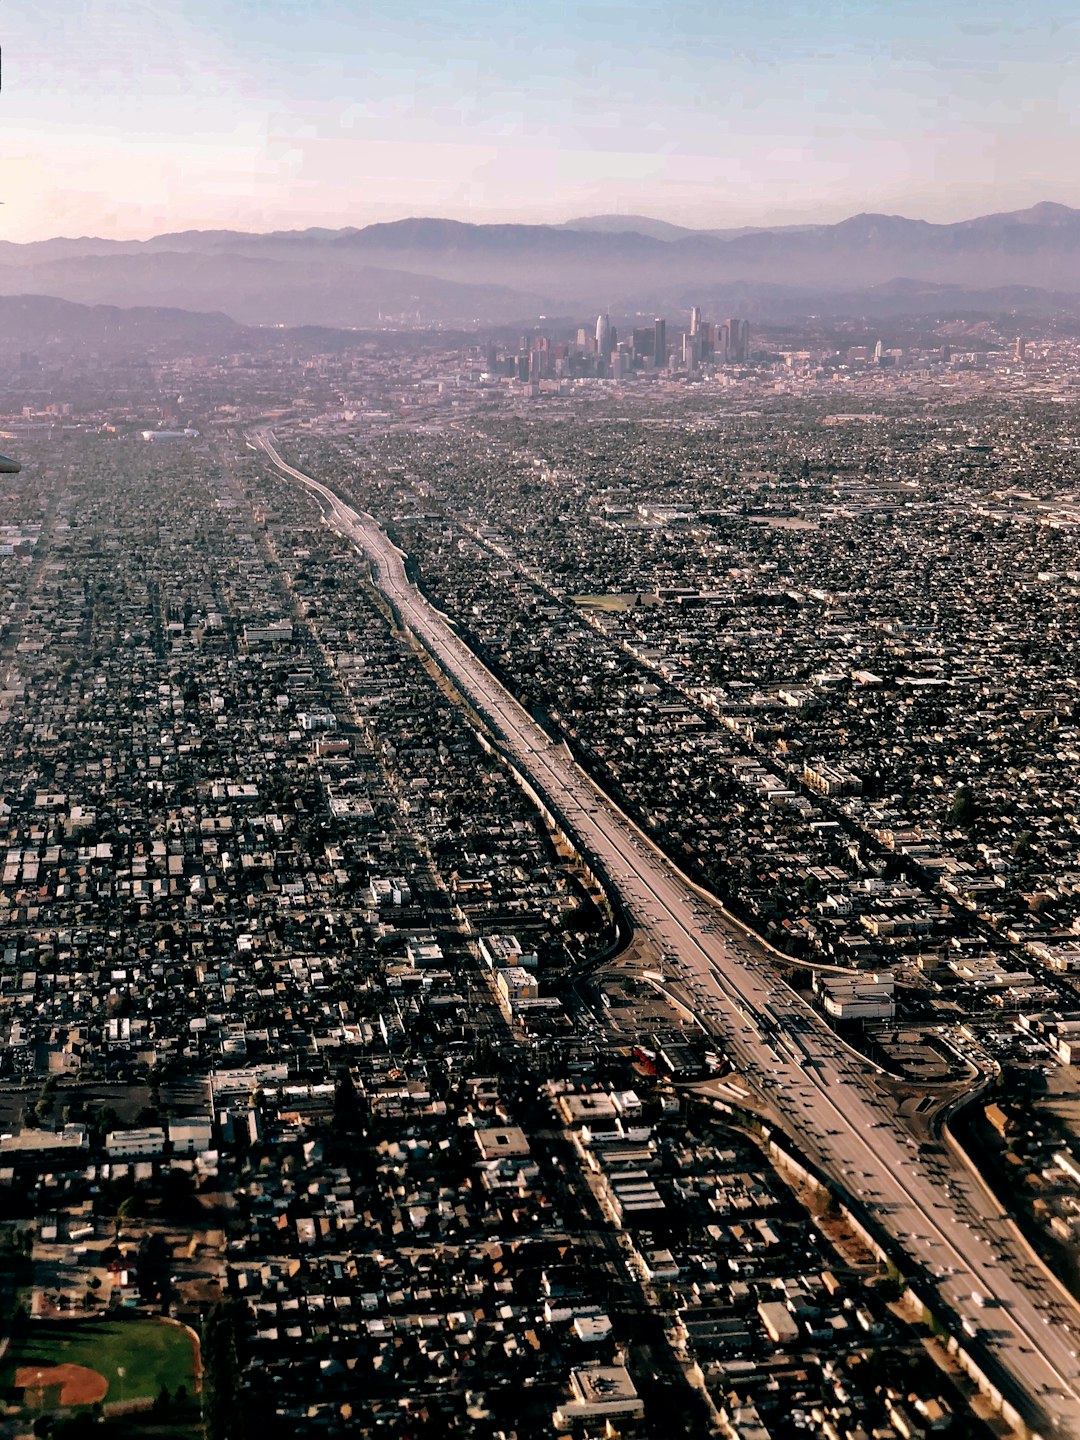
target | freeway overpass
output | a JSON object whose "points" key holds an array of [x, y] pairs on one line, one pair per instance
{"points": [[1020, 1327]]}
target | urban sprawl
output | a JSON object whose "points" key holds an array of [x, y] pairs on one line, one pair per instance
{"points": [[333, 1036]]}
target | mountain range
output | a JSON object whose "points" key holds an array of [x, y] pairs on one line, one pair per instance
{"points": [[445, 272]]}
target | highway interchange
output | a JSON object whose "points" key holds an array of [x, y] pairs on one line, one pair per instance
{"points": [[936, 1214]]}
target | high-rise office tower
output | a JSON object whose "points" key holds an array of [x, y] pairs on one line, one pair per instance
{"points": [[695, 320], [540, 356], [603, 336], [733, 343], [660, 343], [644, 340]]}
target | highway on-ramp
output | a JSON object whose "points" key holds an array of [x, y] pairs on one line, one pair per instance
{"points": [[1022, 1329]]}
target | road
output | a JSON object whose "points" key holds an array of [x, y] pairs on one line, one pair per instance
{"points": [[936, 1214]]}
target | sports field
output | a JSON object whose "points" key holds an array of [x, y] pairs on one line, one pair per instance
{"points": [[58, 1364]]}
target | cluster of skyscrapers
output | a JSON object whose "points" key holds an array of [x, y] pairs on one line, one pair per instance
{"points": [[602, 353], [724, 343]]}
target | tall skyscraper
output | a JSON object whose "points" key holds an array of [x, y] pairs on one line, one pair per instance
{"points": [[644, 339], [695, 320], [540, 358], [603, 336], [733, 342], [660, 343]]}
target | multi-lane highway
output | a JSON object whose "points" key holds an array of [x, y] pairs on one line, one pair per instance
{"points": [[1006, 1310]]}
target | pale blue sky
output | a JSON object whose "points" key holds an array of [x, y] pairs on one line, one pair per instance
{"points": [[129, 117]]}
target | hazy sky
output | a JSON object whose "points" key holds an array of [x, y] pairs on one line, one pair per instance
{"points": [[129, 117]]}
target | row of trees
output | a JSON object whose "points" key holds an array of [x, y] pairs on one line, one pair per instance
{"points": [[223, 1407]]}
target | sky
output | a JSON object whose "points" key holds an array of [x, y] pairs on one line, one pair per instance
{"points": [[127, 118]]}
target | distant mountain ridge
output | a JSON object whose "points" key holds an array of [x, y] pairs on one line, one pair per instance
{"points": [[666, 230], [44, 325], [37, 319], [427, 270]]}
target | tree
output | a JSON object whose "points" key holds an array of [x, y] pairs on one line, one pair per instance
{"points": [[153, 1269], [890, 1289], [105, 1120], [963, 810], [348, 1117], [223, 1408]]}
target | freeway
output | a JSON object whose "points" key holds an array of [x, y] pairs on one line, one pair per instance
{"points": [[1020, 1327]]}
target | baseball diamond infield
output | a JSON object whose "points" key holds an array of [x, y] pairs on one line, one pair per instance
{"points": [[47, 1386]]}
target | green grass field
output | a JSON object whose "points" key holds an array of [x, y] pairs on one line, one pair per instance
{"points": [[152, 1354]]}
